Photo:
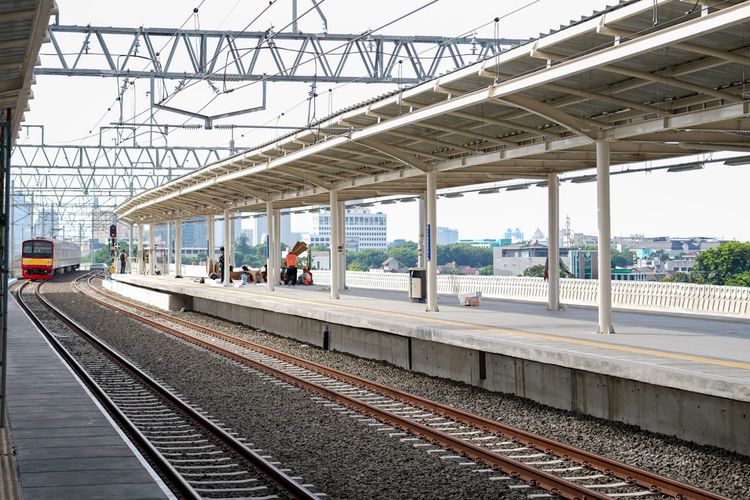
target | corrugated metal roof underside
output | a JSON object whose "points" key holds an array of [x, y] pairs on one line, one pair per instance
{"points": [[531, 111], [23, 25]]}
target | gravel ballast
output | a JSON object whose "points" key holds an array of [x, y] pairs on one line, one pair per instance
{"points": [[716, 470], [342, 456]]}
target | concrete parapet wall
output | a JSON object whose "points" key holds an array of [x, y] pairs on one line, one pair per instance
{"points": [[162, 300], [615, 393], [685, 298]]}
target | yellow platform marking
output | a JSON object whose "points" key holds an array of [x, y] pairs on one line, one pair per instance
{"points": [[524, 333]]}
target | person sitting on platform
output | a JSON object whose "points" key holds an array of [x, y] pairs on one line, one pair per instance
{"points": [[306, 277]]}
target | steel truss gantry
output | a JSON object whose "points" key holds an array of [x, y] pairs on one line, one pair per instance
{"points": [[56, 171], [258, 55]]}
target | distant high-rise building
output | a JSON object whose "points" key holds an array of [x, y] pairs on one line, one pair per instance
{"points": [[514, 236], [363, 229], [21, 217], [47, 223], [261, 230], [446, 235], [194, 233]]}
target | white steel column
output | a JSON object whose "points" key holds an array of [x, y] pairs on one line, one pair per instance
{"points": [[169, 248], [277, 244], [431, 233], [211, 245], [553, 245], [335, 261], [605, 251], [178, 247], [141, 250], [270, 283], [129, 265], [227, 237], [151, 249], [342, 241], [421, 262]]}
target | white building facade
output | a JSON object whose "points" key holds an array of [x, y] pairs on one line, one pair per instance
{"points": [[363, 229]]}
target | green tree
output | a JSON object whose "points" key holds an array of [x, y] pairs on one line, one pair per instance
{"points": [[622, 259], [355, 266], [405, 253], [536, 271], [464, 255], [486, 271], [678, 277], [319, 248], [723, 264], [369, 258], [740, 280]]}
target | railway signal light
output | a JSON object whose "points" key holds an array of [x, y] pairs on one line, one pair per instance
{"points": [[113, 231]]}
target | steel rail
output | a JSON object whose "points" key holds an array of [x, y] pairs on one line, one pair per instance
{"points": [[628, 473], [174, 478], [531, 475], [270, 472]]}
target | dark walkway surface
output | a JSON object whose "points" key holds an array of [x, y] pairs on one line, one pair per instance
{"points": [[66, 447]]}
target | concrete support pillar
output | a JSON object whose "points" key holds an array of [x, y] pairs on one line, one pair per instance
{"points": [[342, 241], [227, 248], [129, 265], [335, 261], [151, 249], [553, 256], [421, 260], [605, 238], [277, 245], [169, 249], [178, 247], [271, 280], [233, 238], [211, 245], [141, 250], [431, 234]]}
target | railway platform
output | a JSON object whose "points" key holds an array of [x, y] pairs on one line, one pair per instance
{"points": [[66, 446], [683, 376]]}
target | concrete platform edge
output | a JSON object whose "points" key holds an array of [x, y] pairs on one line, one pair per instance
{"points": [[614, 391]]}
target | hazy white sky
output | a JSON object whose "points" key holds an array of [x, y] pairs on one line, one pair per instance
{"points": [[706, 203]]}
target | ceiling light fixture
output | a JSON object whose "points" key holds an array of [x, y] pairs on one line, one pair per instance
{"points": [[583, 178], [453, 195], [517, 188], [737, 160], [489, 191], [685, 167]]}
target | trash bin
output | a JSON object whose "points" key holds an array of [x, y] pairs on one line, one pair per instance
{"points": [[417, 284]]}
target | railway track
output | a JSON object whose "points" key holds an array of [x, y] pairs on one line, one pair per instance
{"points": [[197, 457], [558, 468]]}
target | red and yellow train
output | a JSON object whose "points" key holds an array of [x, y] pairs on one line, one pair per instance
{"points": [[43, 258]]}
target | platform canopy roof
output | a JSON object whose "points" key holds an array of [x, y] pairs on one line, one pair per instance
{"points": [[656, 78], [23, 28]]}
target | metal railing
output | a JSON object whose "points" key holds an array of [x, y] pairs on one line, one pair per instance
{"points": [[731, 301]]}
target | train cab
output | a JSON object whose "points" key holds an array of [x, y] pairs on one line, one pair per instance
{"points": [[37, 259], [43, 258]]}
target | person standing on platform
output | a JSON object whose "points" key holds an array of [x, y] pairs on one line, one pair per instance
{"points": [[123, 260], [291, 269], [221, 265]]}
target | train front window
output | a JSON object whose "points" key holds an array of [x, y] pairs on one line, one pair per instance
{"points": [[37, 249]]}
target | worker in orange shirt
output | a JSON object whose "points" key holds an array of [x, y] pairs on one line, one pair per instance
{"points": [[291, 269]]}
